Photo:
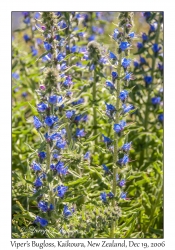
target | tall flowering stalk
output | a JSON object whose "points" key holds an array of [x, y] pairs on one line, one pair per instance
{"points": [[58, 117], [123, 37]]}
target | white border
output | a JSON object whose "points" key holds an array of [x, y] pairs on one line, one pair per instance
{"points": [[5, 98]]}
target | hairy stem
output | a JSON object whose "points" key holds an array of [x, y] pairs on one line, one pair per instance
{"points": [[115, 155], [94, 106]]}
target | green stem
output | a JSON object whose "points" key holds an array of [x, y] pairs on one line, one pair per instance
{"points": [[154, 206], [48, 154], [94, 106], [115, 155]]}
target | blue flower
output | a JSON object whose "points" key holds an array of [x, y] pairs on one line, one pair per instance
{"points": [[106, 139], [15, 75], [155, 100], [110, 194], [55, 156], [47, 57], [60, 168], [126, 147], [110, 85], [136, 64], [160, 118], [80, 101], [43, 206], [126, 62], [123, 195], [26, 38], [115, 34], [34, 51], [36, 167], [147, 14], [63, 66], [74, 49], [123, 95], [156, 48], [117, 128], [148, 79], [42, 155], [60, 57], [43, 222], [70, 113], [160, 67], [91, 38], [37, 122], [106, 169], [123, 161], [122, 183], [62, 24], [80, 132], [38, 182], [142, 60], [51, 207], [124, 45], [153, 27], [24, 94], [52, 166], [139, 45], [114, 75], [87, 156], [66, 211], [41, 107], [144, 37], [112, 56], [55, 136], [61, 190], [47, 46], [128, 76], [110, 107], [26, 20], [61, 143], [117, 177], [131, 35], [50, 120], [103, 197], [53, 99], [127, 108], [85, 118], [37, 15]]}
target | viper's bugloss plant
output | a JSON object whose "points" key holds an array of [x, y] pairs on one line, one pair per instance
{"points": [[87, 125]]}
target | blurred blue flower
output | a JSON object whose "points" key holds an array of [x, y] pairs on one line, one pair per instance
{"points": [[124, 45], [123, 195], [148, 79], [160, 117], [41, 107], [123, 95], [123, 161], [106, 169], [43, 222], [80, 132], [112, 55], [126, 147], [37, 122], [126, 62], [35, 166], [155, 100], [110, 85], [50, 120], [103, 197], [122, 183], [47, 46], [42, 155]]}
